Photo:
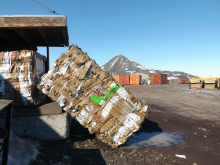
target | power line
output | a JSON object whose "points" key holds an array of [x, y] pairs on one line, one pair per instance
{"points": [[35, 5], [52, 11], [44, 7]]}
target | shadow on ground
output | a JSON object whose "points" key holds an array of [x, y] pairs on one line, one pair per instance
{"points": [[71, 151]]}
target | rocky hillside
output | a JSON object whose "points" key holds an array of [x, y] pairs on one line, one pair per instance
{"points": [[122, 65]]}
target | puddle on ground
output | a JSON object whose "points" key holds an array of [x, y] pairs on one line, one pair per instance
{"points": [[157, 139]]}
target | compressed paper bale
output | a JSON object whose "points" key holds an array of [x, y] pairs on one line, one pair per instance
{"points": [[218, 83], [93, 97], [20, 72]]}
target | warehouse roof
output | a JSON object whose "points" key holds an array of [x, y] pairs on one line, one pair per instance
{"points": [[29, 31]]}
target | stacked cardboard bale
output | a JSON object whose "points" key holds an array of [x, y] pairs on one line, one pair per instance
{"points": [[93, 97], [20, 73], [196, 84], [210, 84], [218, 83]]}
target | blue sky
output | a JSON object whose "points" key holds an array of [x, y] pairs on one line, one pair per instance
{"points": [[175, 35]]}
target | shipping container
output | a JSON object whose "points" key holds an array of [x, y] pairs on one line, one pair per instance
{"points": [[135, 79], [116, 77], [124, 79], [158, 78]]}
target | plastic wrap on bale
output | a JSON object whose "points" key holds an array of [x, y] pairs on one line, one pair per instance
{"points": [[93, 97], [20, 73]]}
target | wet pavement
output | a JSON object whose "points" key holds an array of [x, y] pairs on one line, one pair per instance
{"points": [[156, 139]]}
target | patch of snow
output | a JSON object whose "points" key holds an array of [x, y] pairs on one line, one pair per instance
{"points": [[143, 67], [171, 78], [21, 151], [131, 72], [114, 62]]}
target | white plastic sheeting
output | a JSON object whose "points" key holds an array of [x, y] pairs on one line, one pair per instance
{"points": [[83, 114], [23, 86], [40, 67], [46, 75], [129, 123], [4, 71], [109, 106], [123, 93]]}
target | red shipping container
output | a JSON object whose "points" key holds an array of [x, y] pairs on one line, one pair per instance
{"points": [[116, 77], [135, 79], [124, 79], [158, 78]]}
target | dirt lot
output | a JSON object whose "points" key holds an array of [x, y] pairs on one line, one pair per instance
{"points": [[194, 113]]}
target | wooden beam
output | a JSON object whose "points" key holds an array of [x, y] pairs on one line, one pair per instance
{"points": [[33, 21], [11, 47], [23, 35], [44, 36], [6, 38], [34, 30], [65, 37]]}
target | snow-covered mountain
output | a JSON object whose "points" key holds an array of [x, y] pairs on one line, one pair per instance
{"points": [[122, 65]]}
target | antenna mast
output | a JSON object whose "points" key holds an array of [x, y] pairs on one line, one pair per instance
{"points": [[43, 7]]}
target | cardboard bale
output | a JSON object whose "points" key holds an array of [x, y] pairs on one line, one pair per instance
{"points": [[93, 97], [210, 84], [197, 84], [218, 83], [20, 72]]}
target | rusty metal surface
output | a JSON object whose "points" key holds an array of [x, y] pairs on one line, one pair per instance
{"points": [[116, 77], [124, 79], [135, 79], [158, 78]]}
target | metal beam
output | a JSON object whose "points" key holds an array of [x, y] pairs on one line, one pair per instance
{"points": [[23, 35], [44, 35]]}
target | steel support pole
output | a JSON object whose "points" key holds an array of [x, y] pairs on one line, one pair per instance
{"points": [[48, 60]]}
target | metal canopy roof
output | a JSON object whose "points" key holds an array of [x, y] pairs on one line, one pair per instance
{"points": [[19, 32]]}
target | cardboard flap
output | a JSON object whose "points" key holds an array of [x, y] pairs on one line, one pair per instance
{"points": [[116, 109], [209, 81], [84, 70], [108, 125]]}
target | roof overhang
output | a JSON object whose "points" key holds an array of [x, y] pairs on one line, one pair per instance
{"points": [[19, 32]]}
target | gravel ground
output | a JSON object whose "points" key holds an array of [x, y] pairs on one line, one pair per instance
{"points": [[175, 109]]}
